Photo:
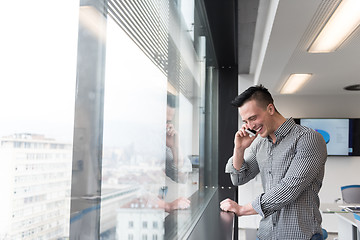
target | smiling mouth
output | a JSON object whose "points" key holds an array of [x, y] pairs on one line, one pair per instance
{"points": [[253, 132], [258, 130]]}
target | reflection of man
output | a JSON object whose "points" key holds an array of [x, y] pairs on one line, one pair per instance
{"points": [[177, 167], [290, 159]]}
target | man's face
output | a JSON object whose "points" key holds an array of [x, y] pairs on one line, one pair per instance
{"points": [[257, 118], [170, 112]]}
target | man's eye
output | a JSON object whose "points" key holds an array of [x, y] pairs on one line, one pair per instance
{"points": [[252, 119]]}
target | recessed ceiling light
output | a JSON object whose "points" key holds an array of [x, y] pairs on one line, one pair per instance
{"points": [[355, 87], [295, 82], [343, 22]]}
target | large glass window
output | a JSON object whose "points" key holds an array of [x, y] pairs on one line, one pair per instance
{"points": [[150, 165], [154, 96], [37, 96], [104, 120]]}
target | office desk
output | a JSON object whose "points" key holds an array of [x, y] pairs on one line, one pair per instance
{"points": [[329, 219], [347, 226]]}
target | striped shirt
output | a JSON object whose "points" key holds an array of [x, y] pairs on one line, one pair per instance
{"points": [[292, 171]]}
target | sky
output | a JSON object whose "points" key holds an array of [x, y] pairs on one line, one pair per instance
{"points": [[38, 67]]}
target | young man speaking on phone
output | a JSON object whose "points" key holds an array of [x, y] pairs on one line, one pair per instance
{"points": [[290, 159]]}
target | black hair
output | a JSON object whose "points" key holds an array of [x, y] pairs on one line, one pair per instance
{"points": [[258, 92], [171, 100]]}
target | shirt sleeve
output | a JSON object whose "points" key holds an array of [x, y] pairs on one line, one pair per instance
{"points": [[310, 158], [175, 173], [248, 170]]}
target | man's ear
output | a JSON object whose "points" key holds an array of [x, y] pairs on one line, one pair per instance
{"points": [[271, 109]]}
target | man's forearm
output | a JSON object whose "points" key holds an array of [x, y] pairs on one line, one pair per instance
{"points": [[246, 210], [238, 158], [176, 157]]}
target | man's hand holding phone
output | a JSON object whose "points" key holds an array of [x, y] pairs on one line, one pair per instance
{"points": [[242, 140], [244, 137]]}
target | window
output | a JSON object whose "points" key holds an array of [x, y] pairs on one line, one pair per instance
{"points": [[37, 98], [131, 224], [105, 107], [146, 87], [155, 225]]}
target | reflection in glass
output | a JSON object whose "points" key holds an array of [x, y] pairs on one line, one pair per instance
{"points": [[150, 141], [133, 140]]}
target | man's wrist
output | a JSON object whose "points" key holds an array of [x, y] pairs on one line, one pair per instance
{"points": [[246, 210], [236, 165], [239, 148], [239, 151]]}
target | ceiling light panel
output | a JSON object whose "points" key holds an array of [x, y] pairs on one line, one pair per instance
{"points": [[345, 19], [295, 82]]}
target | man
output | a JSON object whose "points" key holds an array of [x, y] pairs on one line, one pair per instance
{"points": [[176, 169], [177, 165], [290, 159]]}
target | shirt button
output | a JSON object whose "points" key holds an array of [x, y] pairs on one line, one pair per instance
{"points": [[270, 172]]}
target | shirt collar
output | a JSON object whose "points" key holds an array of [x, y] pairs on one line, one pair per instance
{"points": [[284, 129]]}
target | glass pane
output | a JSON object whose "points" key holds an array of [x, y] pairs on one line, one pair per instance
{"points": [[133, 141], [38, 74], [151, 139]]}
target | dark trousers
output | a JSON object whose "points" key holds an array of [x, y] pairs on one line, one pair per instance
{"points": [[317, 236]]}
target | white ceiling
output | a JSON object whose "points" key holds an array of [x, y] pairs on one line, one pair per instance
{"points": [[284, 31]]}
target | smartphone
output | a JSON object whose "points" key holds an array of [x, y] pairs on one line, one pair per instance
{"points": [[252, 133]]}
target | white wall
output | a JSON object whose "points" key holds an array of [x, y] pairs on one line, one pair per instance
{"points": [[335, 106]]}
